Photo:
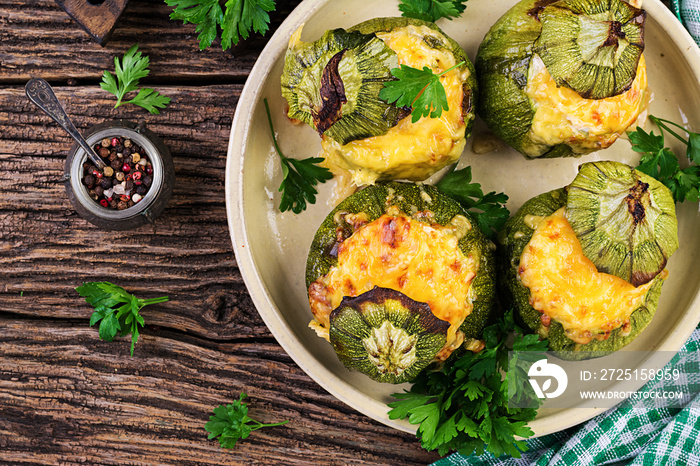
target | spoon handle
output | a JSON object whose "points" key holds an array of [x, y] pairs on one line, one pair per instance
{"points": [[41, 95]]}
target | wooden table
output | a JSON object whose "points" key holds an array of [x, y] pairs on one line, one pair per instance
{"points": [[67, 397]]}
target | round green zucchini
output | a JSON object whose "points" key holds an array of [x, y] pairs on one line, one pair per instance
{"points": [[570, 37], [410, 199], [512, 241], [341, 100]]}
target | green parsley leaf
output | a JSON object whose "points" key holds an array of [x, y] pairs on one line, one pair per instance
{"points": [[299, 177], [129, 71], [205, 14], [231, 423], [150, 99], [110, 324], [464, 407], [432, 10], [661, 163], [527, 349], [646, 142], [115, 309], [243, 16], [419, 89], [240, 18], [684, 184], [410, 84], [488, 209], [411, 402], [473, 390], [693, 152]]}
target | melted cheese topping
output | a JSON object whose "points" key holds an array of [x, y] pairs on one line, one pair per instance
{"points": [[412, 151], [566, 286], [419, 259], [563, 116]]}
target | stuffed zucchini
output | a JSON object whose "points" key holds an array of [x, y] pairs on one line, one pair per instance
{"points": [[583, 265], [333, 84], [563, 78], [399, 277]]}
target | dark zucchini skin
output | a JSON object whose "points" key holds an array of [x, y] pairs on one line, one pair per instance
{"points": [[512, 240], [502, 64], [470, 88], [408, 197]]}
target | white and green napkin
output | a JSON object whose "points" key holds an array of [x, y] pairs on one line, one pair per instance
{"points": [[688, 12]]}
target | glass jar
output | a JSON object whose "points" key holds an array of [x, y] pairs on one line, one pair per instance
{"points": [[152, 203]]}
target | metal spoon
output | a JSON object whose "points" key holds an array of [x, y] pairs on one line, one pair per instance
{"points": [[41, 95]]}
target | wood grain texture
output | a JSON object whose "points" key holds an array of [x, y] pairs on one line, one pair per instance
{"points": [[187, 255], [67, 398], [40, 40]]}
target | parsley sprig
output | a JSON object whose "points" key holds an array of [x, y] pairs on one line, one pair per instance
{"points": [[298, 176], [115, 309], [419, 89], [662, 163], [432, 10], [236, 22], [489, 209], [464, 407], [129, 71], [231, 423], [239, 18]]}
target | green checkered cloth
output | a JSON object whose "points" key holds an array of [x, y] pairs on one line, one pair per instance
{"points": [[643, 432], [688, 12]]}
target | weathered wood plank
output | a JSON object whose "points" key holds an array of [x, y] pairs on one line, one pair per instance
{"points": [[68, 398], [40, 40], [46, 250]]}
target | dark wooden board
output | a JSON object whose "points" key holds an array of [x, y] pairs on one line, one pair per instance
{"points": [[68, 398], [97, 17], [188, 253], [39, 40]]}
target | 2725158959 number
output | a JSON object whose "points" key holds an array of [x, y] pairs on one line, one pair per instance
{"points": [[618, 374]]}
